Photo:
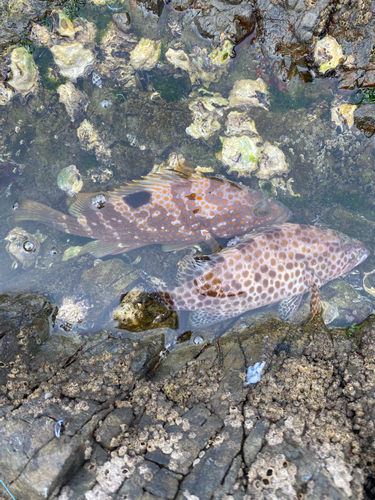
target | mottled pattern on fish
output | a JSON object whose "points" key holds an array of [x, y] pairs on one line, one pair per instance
{"points": [[177, 209], [275, 264]]}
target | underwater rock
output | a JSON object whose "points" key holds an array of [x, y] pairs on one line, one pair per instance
{"points": [[70, 180], [272, 162], [200, 65], [23, 247], [114, 67], [145, 55], [73, 60], [41, 35], [75, 101], [62, 24], [137, 312], [221, 56], [122, 21], [249, 93], [6, 94], [364, 119], [89, 139], [240, 124], [70, 312], [24, 73], [206, 111], [343, 115], [240, 154], [328, 54]]}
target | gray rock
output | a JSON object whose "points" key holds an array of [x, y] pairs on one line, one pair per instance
{"points": [[364, 119], [164, 484], [111, 426], [254, 442]]}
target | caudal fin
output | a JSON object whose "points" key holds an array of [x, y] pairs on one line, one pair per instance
{"points": [[32, 210]]}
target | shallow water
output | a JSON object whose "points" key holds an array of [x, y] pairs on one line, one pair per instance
{"points": [[329, 181]]}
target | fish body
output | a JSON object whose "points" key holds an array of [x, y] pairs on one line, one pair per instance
{"points": [[176, 209], [273, 264]]}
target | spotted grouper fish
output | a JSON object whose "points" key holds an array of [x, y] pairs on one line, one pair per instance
{"points": [[274, 264], [177, 208]]}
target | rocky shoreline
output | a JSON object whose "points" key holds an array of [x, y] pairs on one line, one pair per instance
{"points": [[103, 423]]}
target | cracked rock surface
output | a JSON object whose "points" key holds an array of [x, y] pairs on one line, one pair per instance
{"points": [[191, 427]]}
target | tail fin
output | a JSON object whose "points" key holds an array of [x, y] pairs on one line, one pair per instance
{"points": [[32, 210]]}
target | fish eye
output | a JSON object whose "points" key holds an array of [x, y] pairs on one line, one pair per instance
{"points": [[261, 209], [346, 245]]}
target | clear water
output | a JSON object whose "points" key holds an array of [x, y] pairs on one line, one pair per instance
{"points": [[330, 182]]}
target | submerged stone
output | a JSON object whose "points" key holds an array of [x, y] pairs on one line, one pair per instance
{"points": [[24, 73], [240, 154], [70, 180], [328, 54]]}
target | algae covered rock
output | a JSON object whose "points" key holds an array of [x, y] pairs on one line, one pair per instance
{"points": [[74, 100], [249, 93], [73, 60], [240, 154], [272, 162], [137, 312], [328, 54], [145, 55], [23, 247], [70, 180], [23, 72]]}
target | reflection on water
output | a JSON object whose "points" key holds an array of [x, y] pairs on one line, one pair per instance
{"points": [[101, 100]]}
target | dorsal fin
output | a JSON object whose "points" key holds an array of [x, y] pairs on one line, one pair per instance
{"points": [[154, 181], [86, 202]]}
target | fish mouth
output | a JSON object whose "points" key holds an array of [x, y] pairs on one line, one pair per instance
{"points": [[363, 255], [285, 215]]}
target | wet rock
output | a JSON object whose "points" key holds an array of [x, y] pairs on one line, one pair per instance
{"points": [[70, 180], [90, 139], [73, 60], [16, 17], [25, 325], [24, 74], [328, 54], [89, 386], [23, 247], [272, 162], [364, 119], [240, 154], [113, 425], [75, 101], [236, 21], [138, 312]]}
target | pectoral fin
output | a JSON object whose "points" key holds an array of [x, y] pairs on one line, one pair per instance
{"points": [[102, 248], [289, 306]]}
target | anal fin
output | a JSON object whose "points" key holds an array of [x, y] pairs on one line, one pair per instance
{"points": [[289, 306], [100, 248]]}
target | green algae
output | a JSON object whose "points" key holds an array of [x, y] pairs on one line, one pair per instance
{"points": [[75, 9], [45, 61], [171, 89]]}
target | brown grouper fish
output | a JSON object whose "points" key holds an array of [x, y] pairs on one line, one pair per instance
{"points": [[176, 208], [274, 264]]}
